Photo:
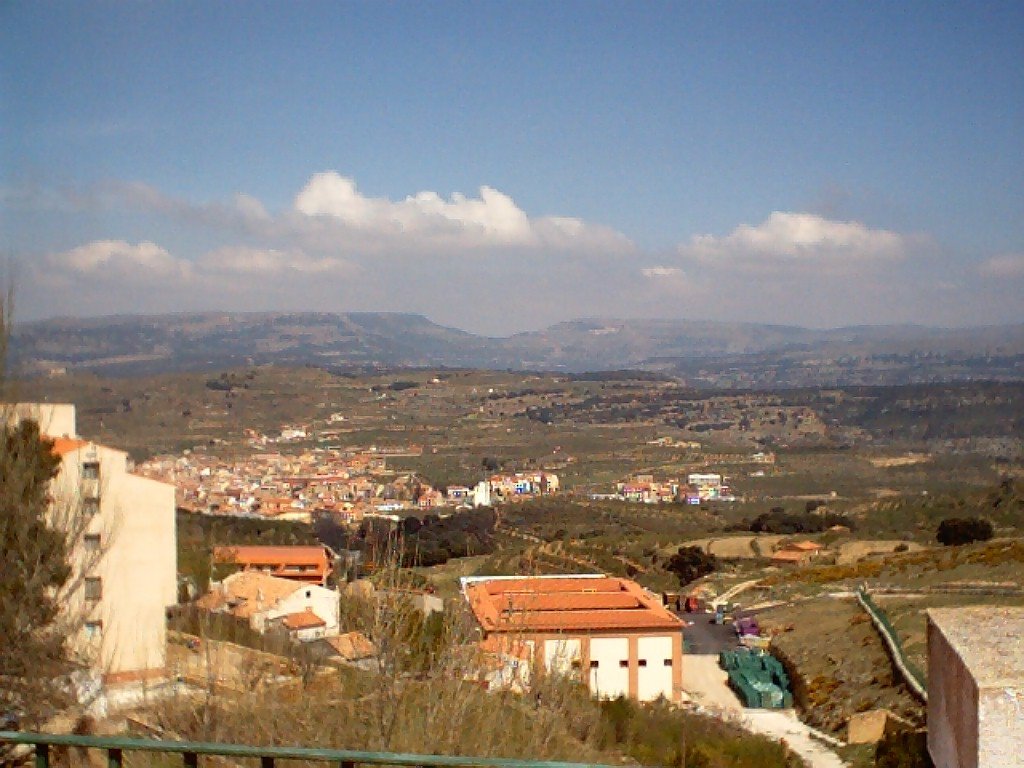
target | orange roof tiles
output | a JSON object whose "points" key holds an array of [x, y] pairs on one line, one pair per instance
{"points": [[260, 555], [66, 445], [302, 563], [566, 604], [246, 593], [567, 601], [351, 646], [549, 585], [789, 556], [805, 546], [303, 620]]}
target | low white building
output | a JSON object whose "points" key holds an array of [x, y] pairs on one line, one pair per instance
{"points": [[267, 601], [481, 494], [608, 633]]}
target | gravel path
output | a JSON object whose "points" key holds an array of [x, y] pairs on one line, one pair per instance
{"points": [[783, 724], [705, 684]]}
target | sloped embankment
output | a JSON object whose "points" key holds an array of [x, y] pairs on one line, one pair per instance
{"points": [[836, 663]]}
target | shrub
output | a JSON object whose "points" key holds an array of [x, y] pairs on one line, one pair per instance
{"points": [[954, 531], [903, 749], [778, 521], [690, 563]]}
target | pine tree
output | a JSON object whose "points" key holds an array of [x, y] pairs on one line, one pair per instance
{"points": [[35, 567]]}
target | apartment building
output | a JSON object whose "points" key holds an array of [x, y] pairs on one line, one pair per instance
{"points": [[610, 632], [124, 563]]}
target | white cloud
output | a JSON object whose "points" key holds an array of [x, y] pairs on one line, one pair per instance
{"points": [[330, 214], [798, 238], [492, 216], [1006, 266], [661, 272], [120, 259], [242, 260], [426, 221]]}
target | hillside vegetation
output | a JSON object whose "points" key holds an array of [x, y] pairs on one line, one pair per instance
{"points": [[713, 353]]}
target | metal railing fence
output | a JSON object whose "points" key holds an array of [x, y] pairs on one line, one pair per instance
{"points": [[190, 751]]}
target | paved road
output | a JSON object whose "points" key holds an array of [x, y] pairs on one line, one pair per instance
{"points": [[705, 637], [705, 683]]}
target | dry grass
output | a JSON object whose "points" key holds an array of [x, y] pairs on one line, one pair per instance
{"points": [[838, 662]]}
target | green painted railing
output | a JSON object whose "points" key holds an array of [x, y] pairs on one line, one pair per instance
{"points": [[190, 751]]}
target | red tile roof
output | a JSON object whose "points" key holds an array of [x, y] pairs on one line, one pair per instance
{"points": [[65, 445], [790, 556], [302, 563], [805, 546], [566, 604], [258, 555], [303, 620], [352, 646], [247, 593]]}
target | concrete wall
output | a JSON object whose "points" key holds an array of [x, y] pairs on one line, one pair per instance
{"points": [[1001, 715], [611, 666], [976, 687], [54, 419], [952, 706]]}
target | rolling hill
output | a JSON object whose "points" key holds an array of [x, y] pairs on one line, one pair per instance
{"points": [[709, 353]]}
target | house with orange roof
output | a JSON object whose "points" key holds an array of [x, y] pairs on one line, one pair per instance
{"points": [[267, 602], [608, 632], [797, 553], [303, 625], [790, 557], [310, 564], [806, 546], [430, 499]]}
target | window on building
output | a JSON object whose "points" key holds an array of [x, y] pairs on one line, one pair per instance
{"points": [[92, 542], [91, 470], [642, 663], [593, 664], [93, 629], [668, 662], [624, 663], [93, 588], [91, 506]]}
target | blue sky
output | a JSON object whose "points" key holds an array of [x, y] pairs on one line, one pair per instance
{"points": [[809, 163]]}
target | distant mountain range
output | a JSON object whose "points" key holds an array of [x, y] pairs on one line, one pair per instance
{"points": [[702, 352]]}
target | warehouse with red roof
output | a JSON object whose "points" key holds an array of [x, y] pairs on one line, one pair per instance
{"points": [[611, 633]]}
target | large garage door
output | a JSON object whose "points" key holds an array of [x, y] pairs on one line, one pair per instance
{"points": [[609, 666], [562, 656], [654, 659]]}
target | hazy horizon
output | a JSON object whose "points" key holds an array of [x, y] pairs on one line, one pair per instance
{"points": [[537, 329]]}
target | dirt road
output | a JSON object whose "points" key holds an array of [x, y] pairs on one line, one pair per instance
{"points": [[705, 683]]}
